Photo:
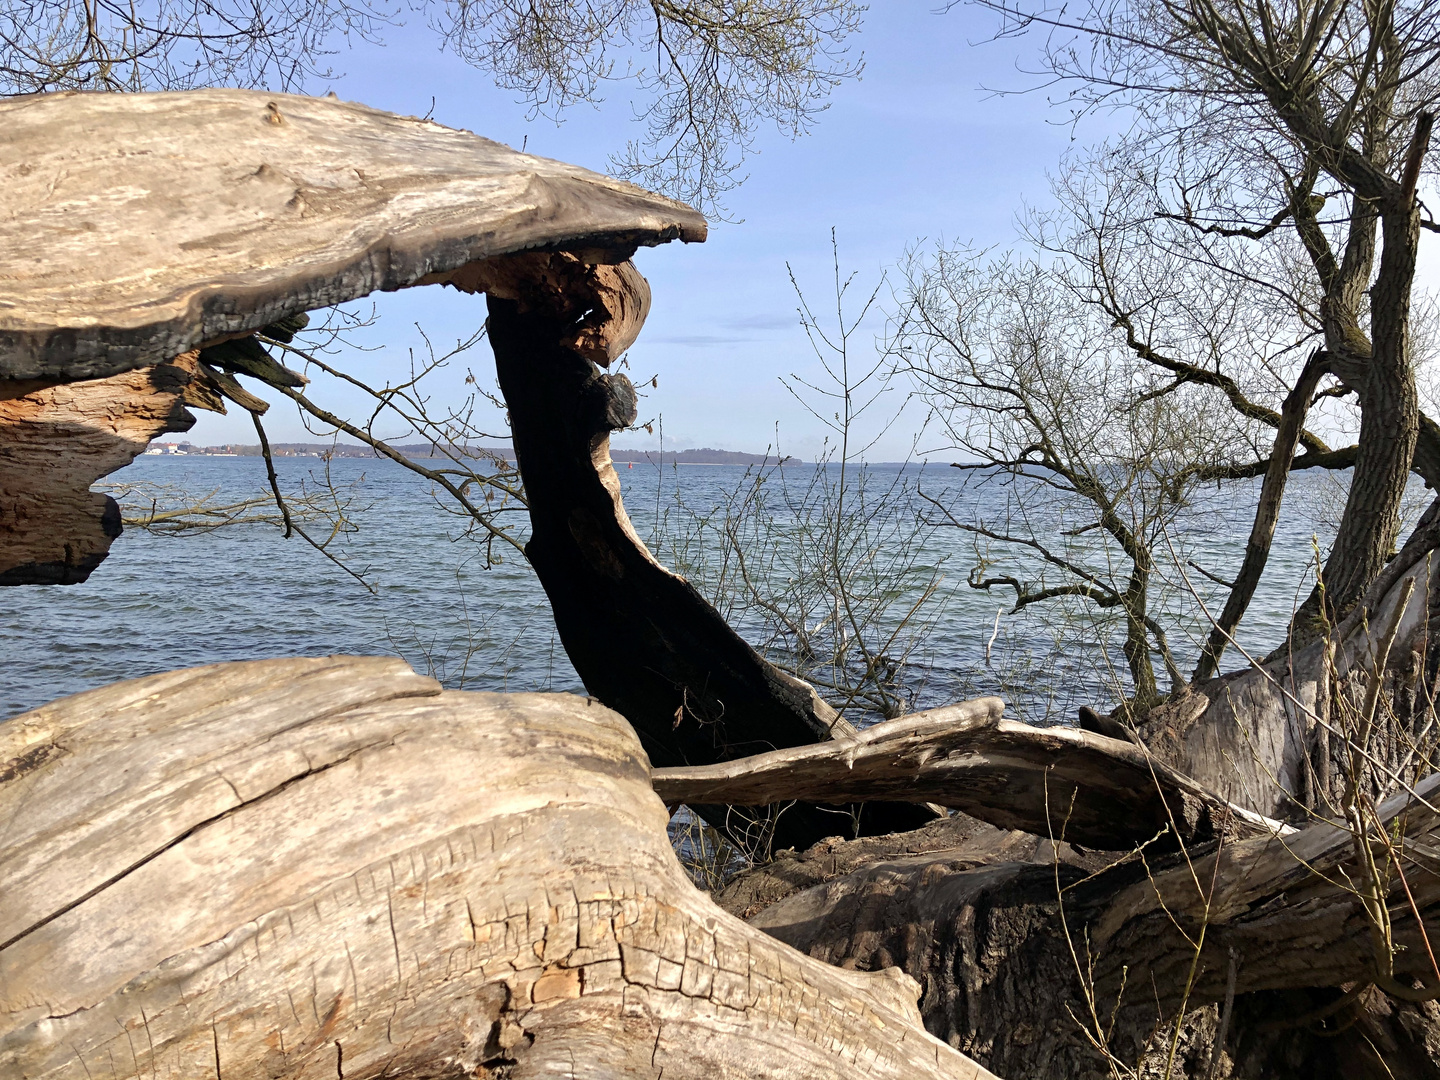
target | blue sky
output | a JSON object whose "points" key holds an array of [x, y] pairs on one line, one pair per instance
{"points": [[916, 148]]}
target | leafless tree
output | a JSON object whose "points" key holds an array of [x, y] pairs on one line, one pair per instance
{"points": [[1297, 125], [1092, 457]]}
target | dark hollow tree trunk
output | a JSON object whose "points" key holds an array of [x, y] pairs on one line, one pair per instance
{"points": [[644, 642]]}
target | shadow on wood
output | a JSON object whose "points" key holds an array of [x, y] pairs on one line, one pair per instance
{"points": [[317, 868]]}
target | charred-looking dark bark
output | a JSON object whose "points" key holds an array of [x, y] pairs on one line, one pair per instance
{"points": [[644, 642]]}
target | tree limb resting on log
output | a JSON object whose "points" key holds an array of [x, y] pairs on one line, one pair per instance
{"points": [[1019, 960], [295, 869], [1100, 792]]}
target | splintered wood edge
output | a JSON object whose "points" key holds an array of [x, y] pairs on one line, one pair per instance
{"points": [[930, 752]]}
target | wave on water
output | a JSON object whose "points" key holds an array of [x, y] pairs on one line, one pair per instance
{"points": [[242, 592]]}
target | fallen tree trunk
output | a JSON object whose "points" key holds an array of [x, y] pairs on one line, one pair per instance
{"points": [[1099, 792], [330, 868], [1035, 969]]}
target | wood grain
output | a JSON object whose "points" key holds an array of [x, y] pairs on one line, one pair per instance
{"points": [[328, 868], [139, 226]]}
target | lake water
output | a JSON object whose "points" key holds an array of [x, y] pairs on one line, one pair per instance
{"points": [[242, 592]]}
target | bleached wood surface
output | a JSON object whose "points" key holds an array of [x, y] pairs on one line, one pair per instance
{"points": [[1053, 781], [329, 868], [137, 226]]}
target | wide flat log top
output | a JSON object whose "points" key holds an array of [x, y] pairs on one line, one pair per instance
{"points": [[135, 227]]}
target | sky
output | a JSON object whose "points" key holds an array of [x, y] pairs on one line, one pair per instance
{"points": [[919, 148]]}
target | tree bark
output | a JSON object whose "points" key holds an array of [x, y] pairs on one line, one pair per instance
{"points": [[1267, 514], [1379, 368], [642, 639]]}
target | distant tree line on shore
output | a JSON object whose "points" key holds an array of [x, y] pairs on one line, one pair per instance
{"points": [[702, 456]]}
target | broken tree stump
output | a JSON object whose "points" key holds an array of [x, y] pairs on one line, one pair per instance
{"points": [[642, 639]]}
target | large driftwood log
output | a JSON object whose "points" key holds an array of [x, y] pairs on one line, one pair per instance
{"points": [[1060, 782], [329, 868], [140, 226], [643, 640], [1018, 959], [56, 439]]}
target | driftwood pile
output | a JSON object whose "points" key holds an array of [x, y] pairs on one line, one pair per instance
{"points": [[317, 868]]}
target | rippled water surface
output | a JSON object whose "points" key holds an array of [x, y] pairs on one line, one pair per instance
{"points": [[163, 602]]}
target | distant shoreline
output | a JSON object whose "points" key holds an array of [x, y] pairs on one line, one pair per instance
{"points": [[701, 456]]}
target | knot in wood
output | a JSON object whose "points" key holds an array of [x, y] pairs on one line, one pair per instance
{"points": [[608, 403]]}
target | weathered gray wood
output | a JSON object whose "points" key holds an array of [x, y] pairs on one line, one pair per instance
{"points": [[139, 226], [992, 945], [1056, 781], [328, 868]]}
